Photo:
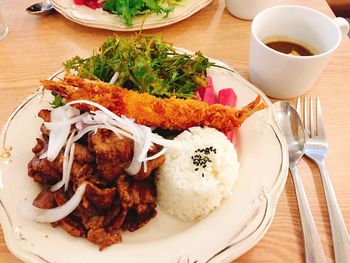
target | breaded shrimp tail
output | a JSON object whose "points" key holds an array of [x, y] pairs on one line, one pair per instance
{"points": [[146, 109]]}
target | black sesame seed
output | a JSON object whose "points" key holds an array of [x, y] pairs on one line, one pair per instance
{"points": [[201, 160]]}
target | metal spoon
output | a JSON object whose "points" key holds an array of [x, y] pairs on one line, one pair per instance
{"points": [[43, 8], [289, 121]]}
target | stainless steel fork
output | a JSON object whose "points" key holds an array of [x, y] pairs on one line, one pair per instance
{"points": [[316, 148]]}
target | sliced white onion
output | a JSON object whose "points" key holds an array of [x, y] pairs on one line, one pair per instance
{"points": [[53, 214], [69, 167], [157, 139], [88, 129], [144, 166], [44, 155], [79, 125], [71, 112], [146, 141], [155, 156], [114, 78], [59, 134], [57, 185], [57, 139], [66, 164], [56, 125], [135, 164], [91, 103]]}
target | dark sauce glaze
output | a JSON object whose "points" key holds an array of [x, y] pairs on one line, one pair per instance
{"points": [[288, 47]]}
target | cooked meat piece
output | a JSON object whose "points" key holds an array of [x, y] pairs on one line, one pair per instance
{"points": [[146, 109], [39, 148], [151, 166], [118, 220], [133, 193], [45, 115], [143, 207], [80, 173], [42, 171], [113, 154], [134, 221], [143, 192], [139, 198], [85, 211], [102, 238], [101, 198], [82, 154], [45, 199], [60, 197], [72, 227], [58, 162], [123, 188], [94, 222], [98, 181], [44, 130], [112, 213]]}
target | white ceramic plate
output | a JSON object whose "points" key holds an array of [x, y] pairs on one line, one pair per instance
{"points": [[100, 19], [228, 232]]}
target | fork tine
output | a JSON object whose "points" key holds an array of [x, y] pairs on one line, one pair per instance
{"points": [[297, 106], [319, 120], [312, 117], [305, 118]]}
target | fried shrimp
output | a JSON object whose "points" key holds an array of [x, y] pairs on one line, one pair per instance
{"points": [[146, 109]]}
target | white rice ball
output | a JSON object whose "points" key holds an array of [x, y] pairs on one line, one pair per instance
{"points": [[196, 177]]}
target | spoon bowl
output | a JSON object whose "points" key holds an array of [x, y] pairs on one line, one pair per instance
{"points": [[42, 8], [290, 123]]}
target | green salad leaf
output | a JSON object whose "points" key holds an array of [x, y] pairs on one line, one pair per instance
{"points": [[128, 9], [145, 64], [57, 102]]}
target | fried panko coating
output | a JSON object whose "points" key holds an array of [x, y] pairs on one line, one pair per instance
{"points": [[171, 113]]}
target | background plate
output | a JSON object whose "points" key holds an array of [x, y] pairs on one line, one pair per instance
{"points": [[100, 19], [228, 232]]}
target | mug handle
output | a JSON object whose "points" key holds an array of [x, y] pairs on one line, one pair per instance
{"points": [[343, 25]]}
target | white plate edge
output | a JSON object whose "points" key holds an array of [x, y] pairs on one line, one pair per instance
{"points": [[67, 14]]}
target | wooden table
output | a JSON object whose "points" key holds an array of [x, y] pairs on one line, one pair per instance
{"points": [[37, 46]]}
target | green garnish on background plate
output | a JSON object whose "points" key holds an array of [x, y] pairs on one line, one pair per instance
{"points": [[128, 9], [145, 64]]}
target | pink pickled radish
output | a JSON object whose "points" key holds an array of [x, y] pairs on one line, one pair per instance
{"points": [[227, 97]]}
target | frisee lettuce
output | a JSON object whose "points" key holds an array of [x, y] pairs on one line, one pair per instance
{"points": [[128, 9], [145, 64]]}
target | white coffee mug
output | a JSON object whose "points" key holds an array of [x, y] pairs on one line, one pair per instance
{"points": [[287, 76], [247, 9]]}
